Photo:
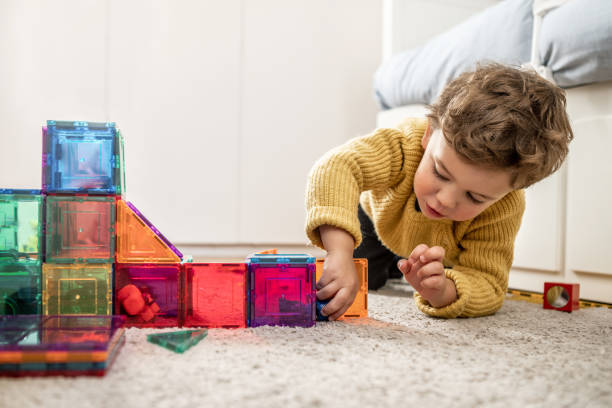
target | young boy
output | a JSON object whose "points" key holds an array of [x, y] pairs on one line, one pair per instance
{"points": [[439, 198]]}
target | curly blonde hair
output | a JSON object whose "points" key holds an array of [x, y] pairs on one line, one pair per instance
{"points": [[505, 118]]}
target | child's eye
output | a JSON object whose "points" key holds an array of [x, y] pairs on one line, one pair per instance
{"points": [[437, 173], [473, 199]]}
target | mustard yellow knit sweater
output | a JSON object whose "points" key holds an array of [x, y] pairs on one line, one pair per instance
{"points": [[378, 171]]}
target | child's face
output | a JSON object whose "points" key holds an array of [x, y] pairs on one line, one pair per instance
{"points": [[447, 187]]}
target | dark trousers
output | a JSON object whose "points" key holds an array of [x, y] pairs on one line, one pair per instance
{"points": [[382, 263]]}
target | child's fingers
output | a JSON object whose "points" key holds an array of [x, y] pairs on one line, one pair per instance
{"points": [[435, 253], [433, 282], [404, 265], [325, 279], [328, 291], [430, 269], [338, 305], [409, 268], [417, 252]]}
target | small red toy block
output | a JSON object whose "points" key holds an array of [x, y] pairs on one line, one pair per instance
{"points": [[148, 294], [136, 303], [561, 296]]}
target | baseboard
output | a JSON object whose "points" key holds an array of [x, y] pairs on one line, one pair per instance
{"points": [[201, 252]]}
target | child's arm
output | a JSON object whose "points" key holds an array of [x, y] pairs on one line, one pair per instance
{"points": [[339, 278], [334, 186], [336, 181]]}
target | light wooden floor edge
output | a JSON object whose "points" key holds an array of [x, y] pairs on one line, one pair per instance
{"points": [[536, 297]]}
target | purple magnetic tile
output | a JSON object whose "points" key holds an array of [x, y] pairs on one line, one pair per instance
{"points": [[66, 333], [282, 295], [155, 230]]}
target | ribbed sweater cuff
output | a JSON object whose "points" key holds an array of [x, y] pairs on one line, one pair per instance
{"points": [[334, 216]]}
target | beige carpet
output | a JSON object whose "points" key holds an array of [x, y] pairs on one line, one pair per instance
{"points": [[523, 356]]}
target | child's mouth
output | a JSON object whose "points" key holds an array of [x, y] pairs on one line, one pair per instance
{"points": [[433, 212]]}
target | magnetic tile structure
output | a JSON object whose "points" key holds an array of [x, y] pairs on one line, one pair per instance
{"points": [[37, 345], [77, 289], [282, 290], [214, 295], [148, 294], [359, 308], [76, 251], [82, 157]]}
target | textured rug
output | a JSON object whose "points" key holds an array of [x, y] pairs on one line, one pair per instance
{"points": [[523, 356]]}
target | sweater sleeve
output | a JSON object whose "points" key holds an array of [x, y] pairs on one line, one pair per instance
{"points": [[338, 178], [481, 274]]}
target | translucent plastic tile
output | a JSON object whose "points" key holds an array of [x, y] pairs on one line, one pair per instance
{"points": [[214, 294], [20, 289], [138, 241], [299, 259], [179, 341], [282, 293], [59, 345], [80, 229], [359, 308], [148, 294], [77, 289], [21, 226], [82, 157]]}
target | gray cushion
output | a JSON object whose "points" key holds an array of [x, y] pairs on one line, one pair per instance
{"points": [[500, 33], [576, 42]]}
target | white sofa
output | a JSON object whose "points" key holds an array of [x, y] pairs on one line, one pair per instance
{"points": [[566, 234]]}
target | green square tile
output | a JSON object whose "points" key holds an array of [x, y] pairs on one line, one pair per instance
{"points": [[20, 289], [21, 228], [178, 341]]}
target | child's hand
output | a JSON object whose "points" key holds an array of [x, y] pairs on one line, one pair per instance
{"points": [[339, 280], [424, 270]]}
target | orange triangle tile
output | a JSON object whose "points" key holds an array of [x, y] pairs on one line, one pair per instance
{"points": [[138, 241]]}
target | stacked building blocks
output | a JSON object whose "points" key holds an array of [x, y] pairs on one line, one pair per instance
{"points": [[82, 178], [77, 247], [21, 251], [561, 296], [359, 308], [147, 273], [36, 345], [75, 252]]}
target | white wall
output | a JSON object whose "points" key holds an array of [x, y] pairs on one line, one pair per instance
{"points": [[225, 105]]}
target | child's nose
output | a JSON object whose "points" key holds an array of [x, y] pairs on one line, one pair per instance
{"points": [[446, 198]]}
